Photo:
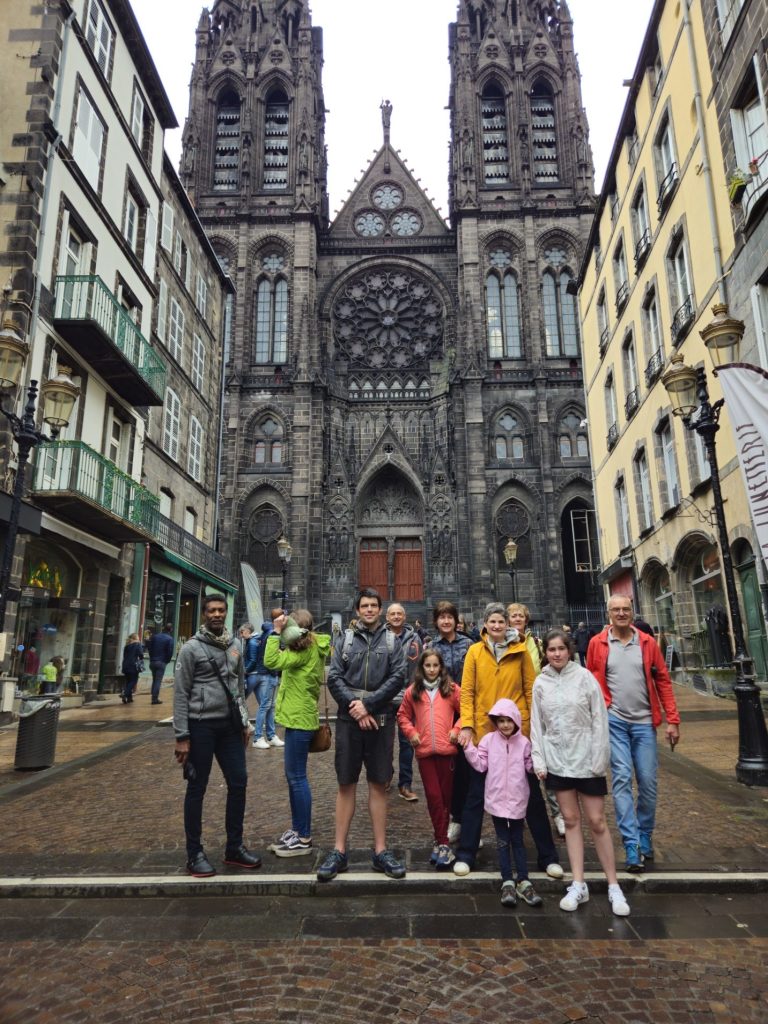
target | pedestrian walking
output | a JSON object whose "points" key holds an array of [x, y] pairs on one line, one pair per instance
{"points": [[569, 735], [411, 643], [504, 757], [367, 672], [132, 665], [159, 647], [301, 664], [581, 639], [427, 720], [210, 721], [263, 683]]}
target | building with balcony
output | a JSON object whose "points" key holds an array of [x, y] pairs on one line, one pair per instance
{"points": [[81, 185], [664, 201]]}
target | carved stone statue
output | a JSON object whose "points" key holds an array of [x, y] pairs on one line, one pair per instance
{"points": [[386, 118]]}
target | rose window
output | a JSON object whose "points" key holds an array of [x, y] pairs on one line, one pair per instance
{"points": [[388, 197], [388, 318], [406, 223], [369, 224]]}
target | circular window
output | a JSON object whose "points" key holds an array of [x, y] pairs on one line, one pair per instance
{"points": [[406, 223], [388, 197], [369, 224]]}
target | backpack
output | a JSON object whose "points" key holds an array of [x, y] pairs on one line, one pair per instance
{"points": [[349, 636]]}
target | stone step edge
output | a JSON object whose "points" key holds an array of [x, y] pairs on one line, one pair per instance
{"points": [[360, 883]]}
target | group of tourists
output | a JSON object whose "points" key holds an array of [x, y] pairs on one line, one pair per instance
{"points": [[489, 722]]}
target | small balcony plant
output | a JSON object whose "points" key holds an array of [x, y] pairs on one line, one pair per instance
{"points": [[737, 185]]}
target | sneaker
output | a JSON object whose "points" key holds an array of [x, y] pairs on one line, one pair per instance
{"points": [[260, 744], [618, 902], [634, 858], [294, 846], [389, 864], [460, 867], [242, 858], [559, 824], [508, 895], [434, 855], [407, 794], [445, 858], [554, 870], [276, 742], [454, 832], [646, 846], [335, 863], [528, 894], [282, 840], [200, 867], [576, 894]]}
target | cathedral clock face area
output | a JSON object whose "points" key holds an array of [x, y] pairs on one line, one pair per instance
{"points": [[388, 197], [406, 223], [369, 224]]}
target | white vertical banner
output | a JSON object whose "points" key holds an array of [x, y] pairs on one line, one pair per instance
{"points": [[252, 595], [745, 388]]}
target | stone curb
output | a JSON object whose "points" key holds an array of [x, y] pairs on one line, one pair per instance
{"points": [[361, 883]]}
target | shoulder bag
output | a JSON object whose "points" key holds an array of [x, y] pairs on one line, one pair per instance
{"points": [[323, 738], [238, 711]]}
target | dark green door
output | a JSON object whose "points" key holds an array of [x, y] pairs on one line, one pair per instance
{"points": [[755, 624]]}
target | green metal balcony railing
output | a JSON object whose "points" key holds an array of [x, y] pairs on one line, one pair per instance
{"points": [[74, 468], [87, 298]]}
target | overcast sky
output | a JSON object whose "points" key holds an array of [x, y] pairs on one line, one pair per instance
{"points": [[399, 51]]}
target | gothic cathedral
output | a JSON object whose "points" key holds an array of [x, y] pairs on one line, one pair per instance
{"points": [[404, 396]]}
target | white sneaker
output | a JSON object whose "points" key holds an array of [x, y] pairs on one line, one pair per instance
{"points": [[276, 742], [454, 832], [576, 894], [618, 902], [260, 743], [555, 870], [461, 868], [560, 824]]}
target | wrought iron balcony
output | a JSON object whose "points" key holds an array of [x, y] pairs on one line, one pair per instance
{"points": [[621, 296], [632, 402], [667, 189], [642, 248], [654, 367], [100, 330], [605, 337], [683, 319], [613, 436], [183, 543], [80, 484]]}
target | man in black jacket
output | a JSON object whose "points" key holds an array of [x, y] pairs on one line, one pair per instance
{"points": [[367, 671], [159, 647]]}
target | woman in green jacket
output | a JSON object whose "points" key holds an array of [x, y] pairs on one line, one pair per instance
{"points": [[301, 664]]}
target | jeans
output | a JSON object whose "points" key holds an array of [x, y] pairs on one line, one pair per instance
{"points": [[509, 836], [158, 672], [633, 747], [266, 685], [130, 684], [209, 738], [296, 753], [404, 762]]}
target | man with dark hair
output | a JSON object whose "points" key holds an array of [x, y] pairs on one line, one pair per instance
{"points": [[367, 671], [208, 681], [159, 647]]}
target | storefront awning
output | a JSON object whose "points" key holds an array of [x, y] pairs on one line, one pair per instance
{"points": [[194, 570]]}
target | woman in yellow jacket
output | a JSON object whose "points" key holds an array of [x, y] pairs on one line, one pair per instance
{"points": [[499, 665]]}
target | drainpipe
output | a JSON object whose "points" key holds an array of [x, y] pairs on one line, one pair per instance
{"points": [[706, 167], [144, 589]]}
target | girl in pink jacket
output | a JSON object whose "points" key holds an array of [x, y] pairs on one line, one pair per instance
{"points": [[505, 754], [427, 719]]}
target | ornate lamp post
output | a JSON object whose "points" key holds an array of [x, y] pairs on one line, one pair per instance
{"points": [[284, 551], [689, 395], [59, 396], [510, 557]]}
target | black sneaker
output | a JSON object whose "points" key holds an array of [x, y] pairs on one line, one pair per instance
{"points": [[199, 866], [242, 858], [389, 864], [335, 863]]}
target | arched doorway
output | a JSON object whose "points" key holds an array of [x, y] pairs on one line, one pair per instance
{"points": [[390, 529]]}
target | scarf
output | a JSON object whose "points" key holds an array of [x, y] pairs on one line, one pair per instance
{"points": [[222, 641], [433, 685], [498, 650]]}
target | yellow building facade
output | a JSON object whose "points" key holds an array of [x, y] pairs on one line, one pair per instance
{"points": [[658, 259]]}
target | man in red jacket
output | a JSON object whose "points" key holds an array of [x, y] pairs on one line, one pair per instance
{"points": [[631, 671]]}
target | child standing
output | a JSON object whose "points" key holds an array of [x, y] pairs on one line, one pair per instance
{"points": [[505, 754], [427, 720], [569, 734]]}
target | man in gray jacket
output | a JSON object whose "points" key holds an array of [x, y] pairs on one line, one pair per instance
{"points": [[367, 671], [208, 681]]}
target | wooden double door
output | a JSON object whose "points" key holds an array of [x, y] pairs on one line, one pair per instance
{"points": [[393, 567]]}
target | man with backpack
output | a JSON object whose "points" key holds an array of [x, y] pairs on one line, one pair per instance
{"points": [[263, 683]]}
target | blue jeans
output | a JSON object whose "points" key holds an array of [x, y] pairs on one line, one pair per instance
{"points": [[633, 748], [266, 685], [209, 738], [296, 753], [509, 836], [404, 761], [158, 672]]}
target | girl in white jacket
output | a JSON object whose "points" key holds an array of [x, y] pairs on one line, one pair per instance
{"points": [[569, 739]]}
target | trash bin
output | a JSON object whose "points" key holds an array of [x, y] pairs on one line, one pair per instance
{"points": [[38, 726]]}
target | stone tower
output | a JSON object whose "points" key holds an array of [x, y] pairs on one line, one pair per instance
{"points": [[403, 395]]}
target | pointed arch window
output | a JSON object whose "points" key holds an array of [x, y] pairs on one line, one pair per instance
{"points": [[544, 135], [508, 440], [495, 138], [502, 309], [276, 125], [561, 321], [272, 321], [268, 448], [226, 155]]}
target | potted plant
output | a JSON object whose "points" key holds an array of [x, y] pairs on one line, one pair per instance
{"points": [[737, 185]]}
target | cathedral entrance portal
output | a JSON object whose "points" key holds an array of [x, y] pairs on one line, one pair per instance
{"points": [[390, 527]]}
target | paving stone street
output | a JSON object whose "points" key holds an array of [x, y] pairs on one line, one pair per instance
{"points": [[100, 923]]}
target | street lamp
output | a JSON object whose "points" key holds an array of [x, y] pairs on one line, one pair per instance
{"points": [[510, 557], [59, 396], [284, 551], [689, 395]]}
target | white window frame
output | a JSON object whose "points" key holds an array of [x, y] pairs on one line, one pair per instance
{"points": [[681, 271], [175, 330], [162, 309], [623, 517], [88, 142], [131, 222], [667, 442], [197, 368], [166, 236], [138, 109], [177, 253], [749, 127], [644, 487], [171, 424], [655, 337], [727, 13], [630, 363], [99, 35], [201, 295], [195, 450]]}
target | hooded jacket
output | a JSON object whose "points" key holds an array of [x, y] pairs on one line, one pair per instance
{"points": [[506, 761], [367, 671], [300, 681], [569, 724], [254, 651], [484, 681], [197, 689], [660, 692], [432, 720]]}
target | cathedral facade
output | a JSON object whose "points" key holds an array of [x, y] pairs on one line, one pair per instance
{"points": [[403, 395]]}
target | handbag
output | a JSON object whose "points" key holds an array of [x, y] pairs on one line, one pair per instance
{"points": [[323, 737], [238, 710]]}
